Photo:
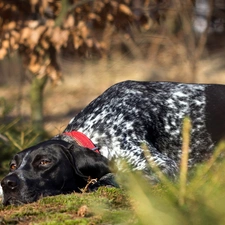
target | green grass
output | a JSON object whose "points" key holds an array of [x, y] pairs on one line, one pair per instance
{"points": [[103, 206]]}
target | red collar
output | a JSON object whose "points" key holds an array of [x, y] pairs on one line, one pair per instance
{"points": [[82, 140]]}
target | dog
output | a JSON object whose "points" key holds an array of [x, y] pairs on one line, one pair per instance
{"points": [[114, 127]]}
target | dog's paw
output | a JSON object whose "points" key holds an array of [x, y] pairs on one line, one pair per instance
{"points": [[107, 180]]}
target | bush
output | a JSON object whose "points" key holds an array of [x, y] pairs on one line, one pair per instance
{"points": [[14, 136]]}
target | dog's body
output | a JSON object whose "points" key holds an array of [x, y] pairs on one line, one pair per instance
{"points": [[120, 121]]}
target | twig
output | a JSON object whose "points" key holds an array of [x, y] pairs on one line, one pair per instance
{"points": [[89, 182], [4, 138]]}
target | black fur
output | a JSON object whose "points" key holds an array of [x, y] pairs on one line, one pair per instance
{"points": [[68, 169]]}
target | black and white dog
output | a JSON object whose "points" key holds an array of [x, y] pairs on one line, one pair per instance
{"points": [[118, 122]]}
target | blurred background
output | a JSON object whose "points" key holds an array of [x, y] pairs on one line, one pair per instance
{"points": [[58, 55]]}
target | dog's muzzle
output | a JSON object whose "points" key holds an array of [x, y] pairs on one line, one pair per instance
{"points": [[10, 183]]}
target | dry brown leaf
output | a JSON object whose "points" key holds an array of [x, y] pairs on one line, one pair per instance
{"points": [[54, 74], [35, 36], [83, 29], [59, 37], [15, 34], [11, 25], [3, 53], [57, 7], [98, 6], [41, 29], [55, 37], [33, 23], [69, 22], [50, 23], [125, 9], [7, 36], [33, 2], [5, 44], [77, 41], [89, 42], [25, 33], [34, 39], [12, 41], [82, 211], [15, 46], [64, 37], [114, 4], [94, 16], [33, 59], [44, 43], [34, 68], [45, 4], [78, 10], [49, 32], [13, 7], [41, 52], [110, 17], [42, 71]]}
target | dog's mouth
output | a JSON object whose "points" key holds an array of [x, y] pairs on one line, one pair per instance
{"points": [[25, 198], [12, 201], [19, 200]]}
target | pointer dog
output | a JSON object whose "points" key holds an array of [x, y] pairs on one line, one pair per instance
{"points": [[118, 122]]}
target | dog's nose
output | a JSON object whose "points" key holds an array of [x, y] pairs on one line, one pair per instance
{"points": [[10, 182]]}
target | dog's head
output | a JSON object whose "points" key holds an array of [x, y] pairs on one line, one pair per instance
{"points": [[50, 168]]}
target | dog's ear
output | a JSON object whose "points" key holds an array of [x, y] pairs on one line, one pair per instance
{"points": [[86, 163]]}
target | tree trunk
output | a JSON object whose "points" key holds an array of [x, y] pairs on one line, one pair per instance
{"points": [[36, 101]]}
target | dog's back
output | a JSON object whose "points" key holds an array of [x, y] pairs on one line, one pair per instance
{"points": [[131, 113]]}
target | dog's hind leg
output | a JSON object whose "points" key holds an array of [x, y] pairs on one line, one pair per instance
{"points": [[148, 159]]}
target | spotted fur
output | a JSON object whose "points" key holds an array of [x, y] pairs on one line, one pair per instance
{"points": [[130, 114]]}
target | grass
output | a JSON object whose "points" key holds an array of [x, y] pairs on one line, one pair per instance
{"points": [[197, 198], [103, 206]]}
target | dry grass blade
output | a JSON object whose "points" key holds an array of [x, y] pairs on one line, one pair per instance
{"points": [[10, 125], [31, 141], [184, 159], [14, 142]]}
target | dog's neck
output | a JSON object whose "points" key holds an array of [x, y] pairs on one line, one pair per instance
{"points": [[80, 138]]}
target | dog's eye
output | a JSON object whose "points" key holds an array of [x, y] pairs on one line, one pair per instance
{"points": [[12, 166], [44, 162]]}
